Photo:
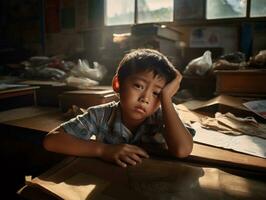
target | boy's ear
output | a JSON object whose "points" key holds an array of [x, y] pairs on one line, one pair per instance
{"points": [[115, 84]]}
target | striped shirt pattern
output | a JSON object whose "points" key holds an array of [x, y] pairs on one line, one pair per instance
{"points": [[104, 122]]}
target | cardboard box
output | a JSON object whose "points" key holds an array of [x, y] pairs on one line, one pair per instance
{"points": [[222, 104]]}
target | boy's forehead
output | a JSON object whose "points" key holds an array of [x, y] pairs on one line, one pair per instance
{"points": [[148, 73]]}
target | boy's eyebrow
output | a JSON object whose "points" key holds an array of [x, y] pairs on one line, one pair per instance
{"points": [[144, 80]]}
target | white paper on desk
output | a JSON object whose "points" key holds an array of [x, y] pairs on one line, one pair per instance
{"points": [[243, 143]]}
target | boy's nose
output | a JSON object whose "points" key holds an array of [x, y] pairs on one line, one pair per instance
{"points": [[144, 100], [145, 96]]}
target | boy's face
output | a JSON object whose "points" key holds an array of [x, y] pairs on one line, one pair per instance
{"points": [[140, 97]]}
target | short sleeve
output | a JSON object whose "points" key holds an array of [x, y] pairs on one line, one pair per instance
{"points": [[83, 126]]}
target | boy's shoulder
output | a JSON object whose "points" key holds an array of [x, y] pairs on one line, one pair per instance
{"points": [[104, 111], [105, 106]]}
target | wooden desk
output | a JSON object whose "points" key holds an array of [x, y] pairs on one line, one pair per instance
{"points": [[48, 93], [46, 118], [17, 97], [35, 118], [154, 178], [241, 82], [17, 91]]}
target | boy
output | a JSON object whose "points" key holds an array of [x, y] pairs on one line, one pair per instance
{"points": [[145, 82]]}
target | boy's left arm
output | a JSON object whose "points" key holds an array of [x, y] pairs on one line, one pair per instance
{"points": [[178, 138]]}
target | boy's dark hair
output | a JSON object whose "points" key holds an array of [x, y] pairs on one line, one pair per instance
{"points": [[145, 59]]}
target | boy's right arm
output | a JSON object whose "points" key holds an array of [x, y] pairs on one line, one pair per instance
{"points": [[122, 154]]}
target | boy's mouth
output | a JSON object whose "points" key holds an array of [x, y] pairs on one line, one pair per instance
{"points": [[140, 109]]}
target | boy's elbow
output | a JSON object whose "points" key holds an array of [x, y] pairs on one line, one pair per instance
{"points": [[50, 142], [46, 143], [181, 152]]}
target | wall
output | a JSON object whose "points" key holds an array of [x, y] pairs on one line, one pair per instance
{"points": [[51, 27], [45, 27]]}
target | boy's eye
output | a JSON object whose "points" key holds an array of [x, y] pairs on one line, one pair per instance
{"points": [[156, 94], [138, 86]]}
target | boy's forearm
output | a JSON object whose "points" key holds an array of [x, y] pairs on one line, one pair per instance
{"points": [[178, 139], [70, 145], [121, 154]]}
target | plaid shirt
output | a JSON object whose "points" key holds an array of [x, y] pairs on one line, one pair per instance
{"points": [[104, 121]]}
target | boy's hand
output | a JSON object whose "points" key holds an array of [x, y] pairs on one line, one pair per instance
{"points": [[171, 88], [123, 154]]}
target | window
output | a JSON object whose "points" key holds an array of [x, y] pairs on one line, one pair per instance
{"points": [[216, 9], [189, 9], [221, 9], [258, 8], [155, 11], [120, 12]]}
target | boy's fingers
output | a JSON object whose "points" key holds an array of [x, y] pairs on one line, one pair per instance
{"points": [[177, 72], [178, 75], [141, 152], [120, 163], [136, 158], [145, 154], [129, 160]]}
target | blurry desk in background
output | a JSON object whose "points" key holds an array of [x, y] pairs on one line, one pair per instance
{"points": [[17, 97], [245, 83], [48, 93], [45, 119], [36, 118], [59, 94]]}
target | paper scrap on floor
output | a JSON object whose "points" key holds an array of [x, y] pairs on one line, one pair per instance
{"points": [[243, 143]]}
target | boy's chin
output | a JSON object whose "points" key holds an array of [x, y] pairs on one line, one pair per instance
{"points": [[138, 118]]}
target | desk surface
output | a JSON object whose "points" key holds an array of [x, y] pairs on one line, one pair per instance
{"points": [[36, 118], [152, 179], [47, 118]]}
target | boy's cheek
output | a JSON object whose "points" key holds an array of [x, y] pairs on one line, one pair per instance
{"points": [[156, 107]]}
